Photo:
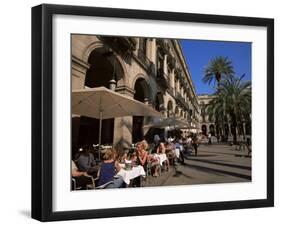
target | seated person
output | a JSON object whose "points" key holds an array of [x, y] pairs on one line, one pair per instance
{"points": [[82, 179], [171, 151], [145, 145], [141, 159], [141, 154], [122, 156], [156, 143], [86, 161], [108, 169], [155, 164], [133, 157], [161, 149]]}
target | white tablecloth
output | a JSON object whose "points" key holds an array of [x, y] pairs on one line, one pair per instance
{"points": [[177, 152], [128, 175], [162, 158]]}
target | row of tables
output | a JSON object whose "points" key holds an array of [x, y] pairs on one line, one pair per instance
{"points": [[136, 171]]}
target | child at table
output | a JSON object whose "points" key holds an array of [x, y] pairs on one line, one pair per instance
{"points": [[108, 169], [154, 161], [122, 156], [162, 150]]}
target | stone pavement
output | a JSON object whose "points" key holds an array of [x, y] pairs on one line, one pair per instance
{"points": [[215, 163]]}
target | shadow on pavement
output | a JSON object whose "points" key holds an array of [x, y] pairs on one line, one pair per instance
{"points": [[222, 164], [221, 153], [179, 173], [219, 172]]}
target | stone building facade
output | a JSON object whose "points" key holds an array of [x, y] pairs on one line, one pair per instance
{"points": [[153, 71], [206, 124]]}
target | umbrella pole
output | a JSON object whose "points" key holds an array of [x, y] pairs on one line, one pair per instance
{"points": [[100, 127]]}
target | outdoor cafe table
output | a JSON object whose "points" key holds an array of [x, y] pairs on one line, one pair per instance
{"points": [[162, 158], [128, 175], [176, 151]]}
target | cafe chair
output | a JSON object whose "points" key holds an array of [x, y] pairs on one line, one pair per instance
{"points": [[89, 186], [103, 186], [148, 169], [74, 184]]}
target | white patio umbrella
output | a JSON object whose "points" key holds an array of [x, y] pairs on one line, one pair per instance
{"points": [[189, 127], [102, 103], [170, 122]]}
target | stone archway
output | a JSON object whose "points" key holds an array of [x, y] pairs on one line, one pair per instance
{"points": [[159, 105], [204, 130], [176, 111], [212, 129], [141, 94], [100, 47], [105, 70], [170, 109], [181, 113], [159, 102]]}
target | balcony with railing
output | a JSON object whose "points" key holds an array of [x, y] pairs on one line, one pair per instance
{"points": [[180, 100], [144, 60], [162, 78], [122, 44]]}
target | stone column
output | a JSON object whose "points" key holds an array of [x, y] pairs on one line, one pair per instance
{"points": [[78, 75], [166, 133], [178, 85], [172, 79], [137, 46], [175, 85], [123, 125], [148, 49], [165, 65], [153, 54]]}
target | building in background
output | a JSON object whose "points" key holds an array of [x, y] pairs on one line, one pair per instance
{"points": [[206, 124], [149, 70]]}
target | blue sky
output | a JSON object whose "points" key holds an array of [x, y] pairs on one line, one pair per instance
{"points": [[199, 52]]}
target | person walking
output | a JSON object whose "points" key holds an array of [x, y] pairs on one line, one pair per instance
{"points": [[210, 138], [195, 142]]}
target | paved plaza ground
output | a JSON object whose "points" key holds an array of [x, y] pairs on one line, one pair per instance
{"points": [[215, 163]]}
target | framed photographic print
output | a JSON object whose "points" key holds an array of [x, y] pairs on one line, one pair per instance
{"points": [[146, 112]]}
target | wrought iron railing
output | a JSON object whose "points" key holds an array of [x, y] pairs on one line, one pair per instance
{"points": [[162, 78], [143, 58], [182, 101]]}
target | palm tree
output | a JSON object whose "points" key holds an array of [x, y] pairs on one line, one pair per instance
{"points": [[232, 103], [216, 69], [217, 113]]}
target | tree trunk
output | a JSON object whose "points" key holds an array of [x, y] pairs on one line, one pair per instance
{"points": [[234, 135], [218, 78], [234, 131]]}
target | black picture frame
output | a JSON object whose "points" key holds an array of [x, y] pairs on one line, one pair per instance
{"points": [[42, 111]]}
